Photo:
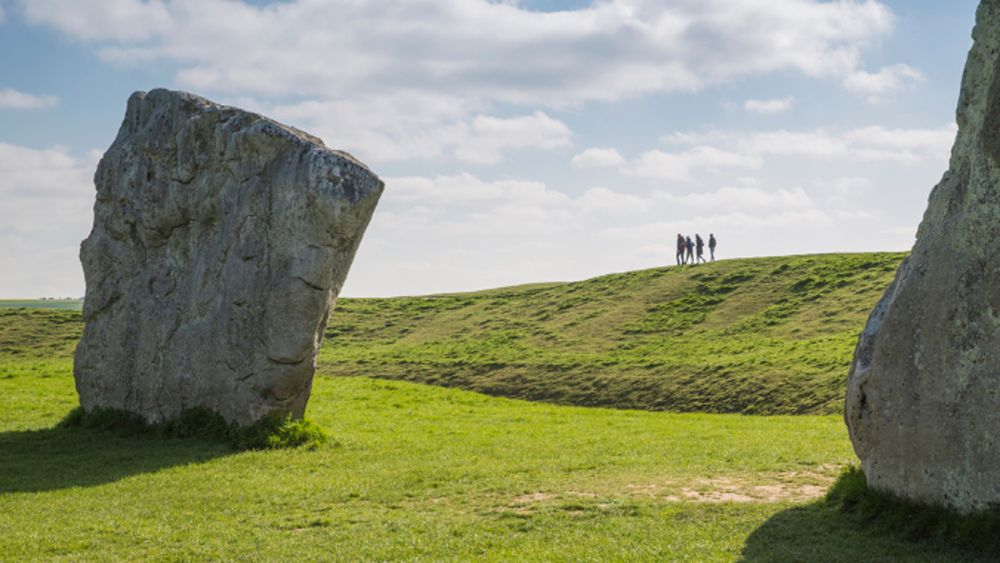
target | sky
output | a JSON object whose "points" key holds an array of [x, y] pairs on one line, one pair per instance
{"points": [[519, 141]]}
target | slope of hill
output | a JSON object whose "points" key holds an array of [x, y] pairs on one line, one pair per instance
{"points": [[755, 336]]}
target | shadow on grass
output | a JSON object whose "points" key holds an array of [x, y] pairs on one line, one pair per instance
{"points": [[58, 458], [820, 532]]}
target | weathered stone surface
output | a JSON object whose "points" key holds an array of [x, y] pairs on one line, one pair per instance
{"points": [[923, 393], [220, 242]]}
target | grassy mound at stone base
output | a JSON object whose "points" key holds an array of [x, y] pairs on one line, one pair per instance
{"points": [[275, 431], [912, 520]]}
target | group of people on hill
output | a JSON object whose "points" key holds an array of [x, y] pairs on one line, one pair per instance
{"points": [[686, 249]]}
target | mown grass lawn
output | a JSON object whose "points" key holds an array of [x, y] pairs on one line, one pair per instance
{"points": [[417, 471], [428, 472]]}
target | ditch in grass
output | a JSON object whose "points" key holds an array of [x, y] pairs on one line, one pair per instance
{"points": [[275, 431]]}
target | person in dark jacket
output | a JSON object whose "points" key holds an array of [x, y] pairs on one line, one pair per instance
{"points": [[699, 245], [681, 247], [711, 246], [690, 250]]}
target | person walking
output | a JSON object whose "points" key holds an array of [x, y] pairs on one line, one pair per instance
{"points": [[699, 245], [690, 250], [711, 246], [681, 246]]}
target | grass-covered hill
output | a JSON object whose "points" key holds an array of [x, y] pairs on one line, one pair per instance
{"points": [[756, 336], [421, 472], [417, 472]]}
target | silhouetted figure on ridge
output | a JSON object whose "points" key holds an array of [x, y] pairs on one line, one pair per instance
{"points": [[681, 247], [690, 250], [711, 246], [699, 245]]}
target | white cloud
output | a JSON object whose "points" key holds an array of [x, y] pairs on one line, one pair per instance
{"points": [[414, 125], [914, 141], [47, 197], [606, 200], [816, 143], [697, 137], [465, 188], [422, 79], [379, 128], [43, 173], [597, 158], [873, 143], [433, 195], [103, 20], [744, 198], [776, 105], [486, 137], [887, 79], [13, 99], [487, 50], [846, 190], [679, 166]]}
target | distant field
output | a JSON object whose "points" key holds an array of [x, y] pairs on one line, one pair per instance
{"points": [[419, 472], [71, 304], [755, 336]]}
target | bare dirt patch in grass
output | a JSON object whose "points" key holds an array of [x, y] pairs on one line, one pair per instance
{"points": [[786, 486], [736, 490]]}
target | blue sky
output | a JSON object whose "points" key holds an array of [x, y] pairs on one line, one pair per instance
{"points": [[519, 141]]}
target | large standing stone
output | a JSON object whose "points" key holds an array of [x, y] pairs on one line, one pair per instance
{"points": [[923, 393], [220, 242]]}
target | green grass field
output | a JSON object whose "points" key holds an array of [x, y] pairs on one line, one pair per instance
{"points": [[417, 471], [424, 472], [755, 336]]}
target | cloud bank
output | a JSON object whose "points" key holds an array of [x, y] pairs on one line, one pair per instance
{"points": [[416, 79], [48, 195], [448, 94]]}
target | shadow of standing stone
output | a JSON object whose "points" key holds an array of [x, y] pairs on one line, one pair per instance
{"points": [[819, 532], [59, 458]]}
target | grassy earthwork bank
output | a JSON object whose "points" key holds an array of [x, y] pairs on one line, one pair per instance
{"points": [[419, 471], [753, 336]]}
